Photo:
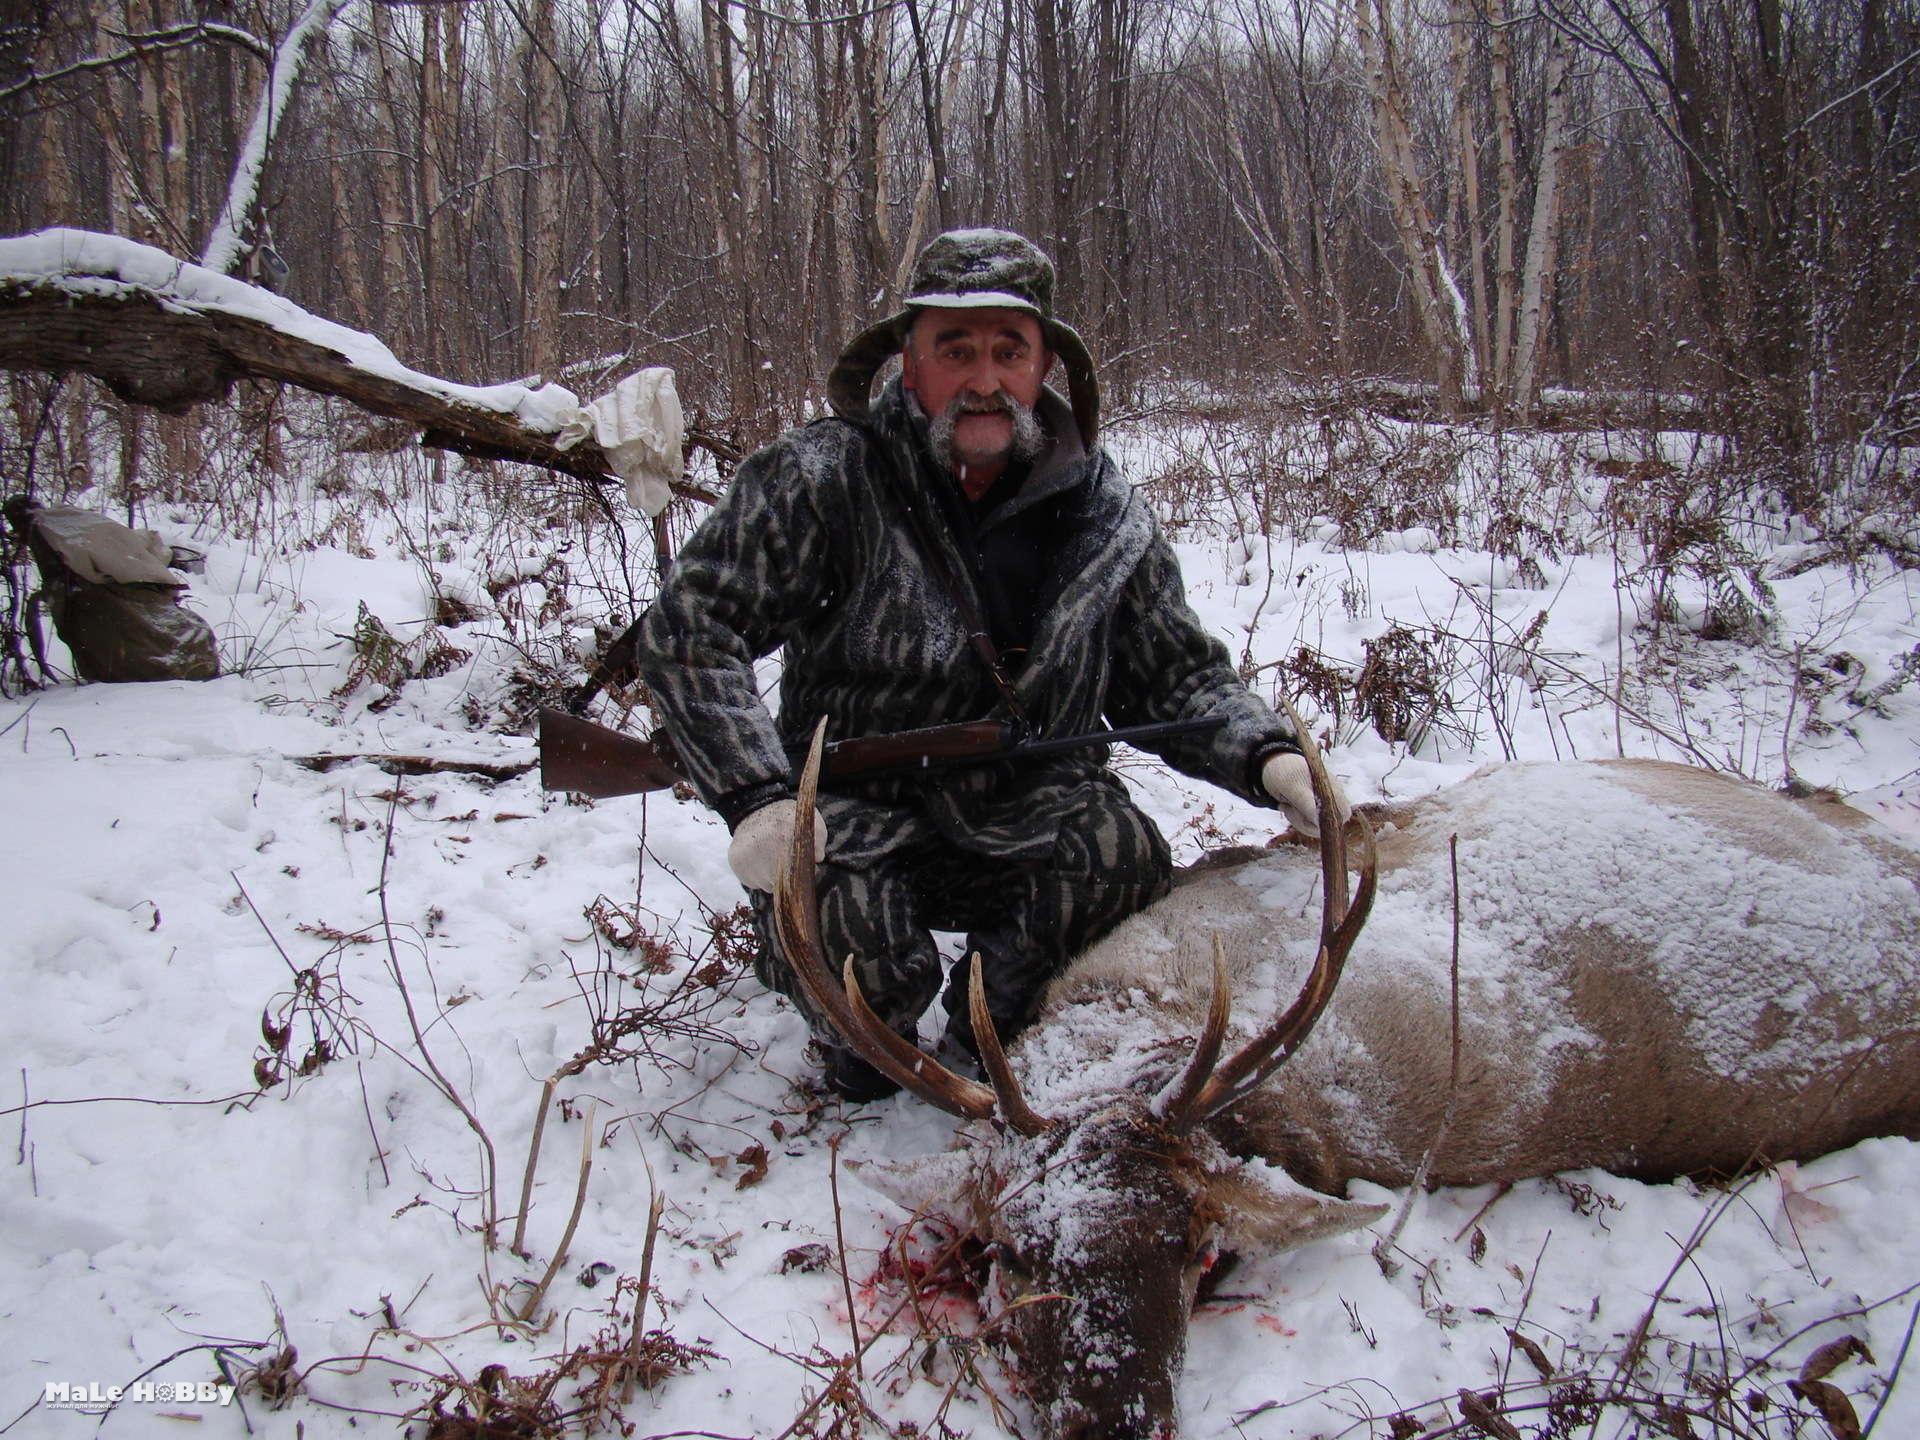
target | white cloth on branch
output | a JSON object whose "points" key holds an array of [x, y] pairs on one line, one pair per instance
{"points": [[640, 427]]}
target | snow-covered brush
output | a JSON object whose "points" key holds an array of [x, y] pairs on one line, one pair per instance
{"points": [[1661, 971]]}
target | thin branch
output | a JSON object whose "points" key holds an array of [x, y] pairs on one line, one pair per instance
{"points": [[579, 1203], [141, 44]]}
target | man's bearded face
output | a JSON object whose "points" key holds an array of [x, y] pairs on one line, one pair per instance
{"points": [[1026, 440], [977, 374]]}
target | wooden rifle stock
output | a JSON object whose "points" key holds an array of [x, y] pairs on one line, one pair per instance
{"points": [[590, 759]]}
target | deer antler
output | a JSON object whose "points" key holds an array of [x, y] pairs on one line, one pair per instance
{"points": [[1199, 1095], [796, 921], [1013, 1100], [1178, 1098]]}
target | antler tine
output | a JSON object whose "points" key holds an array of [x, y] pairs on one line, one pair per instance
{"points": [[1178, 1100], [1006, 1088], [796, 922], [1340, 924], [911, 1066]]}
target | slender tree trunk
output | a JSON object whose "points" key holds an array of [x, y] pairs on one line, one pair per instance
{"points": [[932, 174], [176, 121], [1694, 108], [1543, 239], [155, 224], [1441, 308], [394, 217], [822, 305], [122, 186], [990, 142], [357, 306], [56, 165], [870, 154], [1467, 146], [1053, 47], [433, 101], [1250, 207], [542, 299], [933, 108], [1506, 275]]}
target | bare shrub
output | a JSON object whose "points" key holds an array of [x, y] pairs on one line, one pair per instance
{"points": [[1691, 523], [1404, 688]]}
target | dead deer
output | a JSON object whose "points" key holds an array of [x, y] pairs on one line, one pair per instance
{"points": [[1660, 970]]}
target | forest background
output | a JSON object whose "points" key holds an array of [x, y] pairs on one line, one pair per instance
{"points": [[1710, 199]]}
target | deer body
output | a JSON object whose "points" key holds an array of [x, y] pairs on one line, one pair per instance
{"points": [[1661, 971]]}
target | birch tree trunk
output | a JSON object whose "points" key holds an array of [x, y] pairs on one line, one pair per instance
{"points": [[1536, 290], [1467, 146], [1441, 308]]}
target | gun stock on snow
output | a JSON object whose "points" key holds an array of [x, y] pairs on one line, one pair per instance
{"points": [[590, 759]]}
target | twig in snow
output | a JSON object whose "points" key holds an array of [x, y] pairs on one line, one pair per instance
{"points": [[840, 1241], [656, 1202], [519, 1243], [379, 1151], [491, 1212], [579, 1203]]}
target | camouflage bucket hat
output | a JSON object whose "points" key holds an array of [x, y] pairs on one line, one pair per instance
{"points": [[968, 270]]}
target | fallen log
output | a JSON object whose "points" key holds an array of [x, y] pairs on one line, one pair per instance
{"points": [[163, 333]]}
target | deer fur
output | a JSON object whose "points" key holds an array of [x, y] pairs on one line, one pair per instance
{"points": [[1629, 999]]}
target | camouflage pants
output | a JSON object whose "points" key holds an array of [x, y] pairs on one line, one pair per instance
{"points": [[1025, 919]]}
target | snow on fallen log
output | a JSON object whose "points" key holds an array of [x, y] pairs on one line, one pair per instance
{"points": [[161, 332]]}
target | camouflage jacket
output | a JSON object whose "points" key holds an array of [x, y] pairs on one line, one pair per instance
{"points": [[810, 551]]}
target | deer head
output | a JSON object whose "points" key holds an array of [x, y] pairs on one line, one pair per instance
{"points": [[1103, 1218]]}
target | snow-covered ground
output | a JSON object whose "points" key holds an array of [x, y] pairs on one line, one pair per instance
{"points": [[191, 911]]}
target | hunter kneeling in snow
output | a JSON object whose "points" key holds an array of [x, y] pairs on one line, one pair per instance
{"points": [[958, 547]]}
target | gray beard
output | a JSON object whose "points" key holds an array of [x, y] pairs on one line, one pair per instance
{"points": [[1029, 435]]}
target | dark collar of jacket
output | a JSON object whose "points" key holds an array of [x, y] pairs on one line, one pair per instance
{"points": [[1104, 529]]}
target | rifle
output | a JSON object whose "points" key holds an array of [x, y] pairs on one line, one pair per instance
{"points": [[590, 759]]}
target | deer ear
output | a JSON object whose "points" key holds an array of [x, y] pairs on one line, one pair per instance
{"points": [[935, 1184], [1267, 1210]]}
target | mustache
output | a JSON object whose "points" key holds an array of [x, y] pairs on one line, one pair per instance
{"points": [[998, 403], [1029, 436]]}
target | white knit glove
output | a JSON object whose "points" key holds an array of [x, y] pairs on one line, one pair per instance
{"points": [[1286, 779], [763, 837]]}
